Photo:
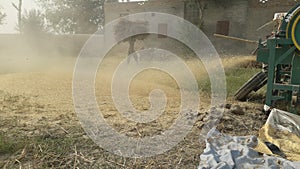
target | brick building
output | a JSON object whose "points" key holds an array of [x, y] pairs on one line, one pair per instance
{"points": [[239, 18]]}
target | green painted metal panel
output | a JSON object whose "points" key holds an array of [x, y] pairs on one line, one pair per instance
{"points": [[295, 79]]}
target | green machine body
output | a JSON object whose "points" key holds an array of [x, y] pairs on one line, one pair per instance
{"points": [[281, 55]]}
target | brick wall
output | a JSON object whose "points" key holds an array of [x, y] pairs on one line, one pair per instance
{"points": [[244, 16]]}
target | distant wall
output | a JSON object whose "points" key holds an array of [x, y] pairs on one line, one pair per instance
{"points": [[115, 10], [259, 14], [234, 11], [245, 17], [47, 45], [175, 7]]}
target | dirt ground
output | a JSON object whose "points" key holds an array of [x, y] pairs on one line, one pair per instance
{"points": [[39, 128]]}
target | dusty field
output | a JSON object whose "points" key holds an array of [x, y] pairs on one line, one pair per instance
{"points": [[39, 128]]}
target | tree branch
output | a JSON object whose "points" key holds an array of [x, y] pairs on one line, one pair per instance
{"points": [[15, 6]]}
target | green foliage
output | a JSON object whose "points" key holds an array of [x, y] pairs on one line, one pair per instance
{"points": [[74, 16], [33, 23], [237, 77], [10, 146], [2, 17]]}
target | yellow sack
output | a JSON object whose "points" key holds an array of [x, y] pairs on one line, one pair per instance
{"points": [[283, 130]]}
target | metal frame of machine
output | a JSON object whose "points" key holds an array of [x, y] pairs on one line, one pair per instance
{"points": [[281, 53]]}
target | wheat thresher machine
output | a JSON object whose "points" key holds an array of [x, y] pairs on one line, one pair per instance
{"points": [[281, 55]]}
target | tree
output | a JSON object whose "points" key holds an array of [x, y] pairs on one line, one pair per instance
{"points": [[33, 23], [126, 27], [74, 16], [112, 0], [19, 10], [2, 17], [195, 8]]}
